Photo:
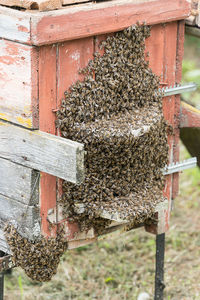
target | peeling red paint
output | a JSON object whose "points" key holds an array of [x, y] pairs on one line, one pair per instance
{"points": [[8, 60], [23, 28]]}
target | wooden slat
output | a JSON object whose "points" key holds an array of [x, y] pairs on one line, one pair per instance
{"points": [[3, 244], [190, 116], [41, 151], [24, 217], [42, 5], [89, 19], [19, 182], [167, 66], [67, 2], [18, 84], [178, 77], [72, 56], [195, 31], [15, 25], [48, 99]]}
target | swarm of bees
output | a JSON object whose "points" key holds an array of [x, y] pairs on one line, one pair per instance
{"points": [[116, 112], [39, 258]]}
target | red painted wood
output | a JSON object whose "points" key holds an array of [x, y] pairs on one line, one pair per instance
{"points": [[179, 58], [47, 100], [34, 89], [72, 56], [169, 102], [163, 63], [89, 20], [155, 47]]}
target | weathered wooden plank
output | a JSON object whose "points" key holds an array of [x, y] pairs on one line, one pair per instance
{"points": [[189, 116], [42, 151], [3, 244], [24, 217], [178, 77], [14, 25], [48, 97], [19, 182], [67, 2], [195, 31], [89, 19], [72, 56], [42, 5], [168, 70], [18, 84]]}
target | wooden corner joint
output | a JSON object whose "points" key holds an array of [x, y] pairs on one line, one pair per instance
{"points": [[6, 263], [162, 213]]}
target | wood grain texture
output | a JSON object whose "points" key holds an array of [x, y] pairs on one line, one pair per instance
{"points": [[89, 19], [189, 116], [48, 99], [3, 244], [18, 182], [165, 66], [18, 84], [24, 217], [67, 2], [178, 75], [72, 56], [15, 25], [41, 151], [41, 5]]}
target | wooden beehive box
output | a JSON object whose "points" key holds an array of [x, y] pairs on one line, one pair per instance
{"points": [[40, 57]]}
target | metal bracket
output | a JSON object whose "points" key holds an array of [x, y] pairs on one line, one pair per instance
{"points": [[180, 166], [179, 89]]}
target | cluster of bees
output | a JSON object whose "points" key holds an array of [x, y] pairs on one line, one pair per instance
{"points": [[116, 112], [39, 258]]}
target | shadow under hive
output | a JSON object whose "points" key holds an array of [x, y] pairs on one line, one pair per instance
{"points": [[117, 113]]}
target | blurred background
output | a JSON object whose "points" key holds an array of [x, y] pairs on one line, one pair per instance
{"points": [[120, 266]]}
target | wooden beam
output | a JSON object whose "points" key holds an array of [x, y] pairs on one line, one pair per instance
{"points": [[42, 151], [93, 19], [89, 19], [15, 25], [18, 84], [19, 182], [3, 244], [24, 217], [42, 5], [189, 116], [195, 31]]}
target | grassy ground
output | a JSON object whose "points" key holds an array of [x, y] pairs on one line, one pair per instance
{"points": [[121, 265]]}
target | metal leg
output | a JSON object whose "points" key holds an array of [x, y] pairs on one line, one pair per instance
{"points": [[1, 280], [159, 276], [1, 285]]}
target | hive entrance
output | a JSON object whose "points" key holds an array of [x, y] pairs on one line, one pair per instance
{"points": [[116, 112]]}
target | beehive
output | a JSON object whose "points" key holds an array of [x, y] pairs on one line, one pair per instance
{"points": [[42, 54]]}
